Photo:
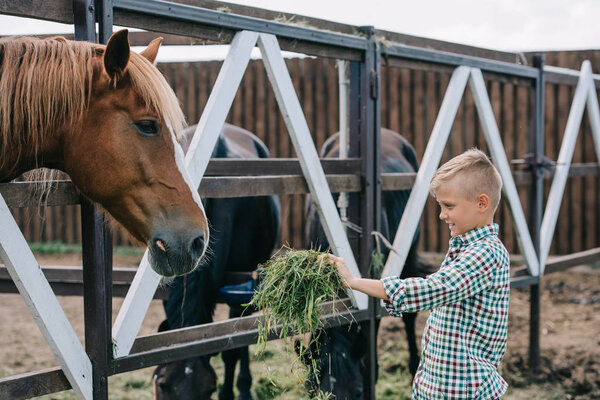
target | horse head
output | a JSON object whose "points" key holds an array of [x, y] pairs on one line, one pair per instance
{"points": [[192, 379], [107, 117]]}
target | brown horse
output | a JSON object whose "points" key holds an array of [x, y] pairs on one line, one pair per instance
{"points": [[107, 117]]}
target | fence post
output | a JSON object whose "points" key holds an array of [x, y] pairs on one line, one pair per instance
{"points": [[95, 233], [83, 19], [537, 209], [97, 294], [370, 203], [104, 17]]}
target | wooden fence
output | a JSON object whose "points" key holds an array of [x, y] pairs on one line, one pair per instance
{"points": [[411, 95]]}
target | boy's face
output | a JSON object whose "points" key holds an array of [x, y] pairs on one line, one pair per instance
{"points": [[460, 213]]}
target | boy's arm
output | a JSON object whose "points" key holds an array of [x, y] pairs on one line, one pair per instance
{"points": [[372, 287], [471, 273]]}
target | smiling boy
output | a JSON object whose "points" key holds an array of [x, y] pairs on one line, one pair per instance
{"points": [[465, 336]]}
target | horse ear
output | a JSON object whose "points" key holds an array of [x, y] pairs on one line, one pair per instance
{"points": [[116, 55], [151, 51]]}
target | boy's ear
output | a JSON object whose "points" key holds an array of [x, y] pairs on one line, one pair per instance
{"points": [[483, 202]]}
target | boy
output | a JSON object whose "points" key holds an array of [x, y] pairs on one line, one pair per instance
{"points": [[465, 336]]}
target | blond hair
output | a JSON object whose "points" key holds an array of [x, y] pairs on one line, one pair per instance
{"points": [[482, 176]]}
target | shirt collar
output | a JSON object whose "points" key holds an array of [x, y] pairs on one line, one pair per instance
{"points": [[475, 234]]}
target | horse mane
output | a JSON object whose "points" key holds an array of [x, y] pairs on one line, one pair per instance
{"points": [[47, 83]]}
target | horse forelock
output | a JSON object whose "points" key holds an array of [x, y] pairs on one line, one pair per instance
{"points": [[46, 83], [154, 90]]}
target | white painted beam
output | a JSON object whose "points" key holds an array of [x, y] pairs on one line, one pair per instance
{"points": [[564, 160], [134, 307], [594, 116], [496, 148], [43, 305], [218, 104], [429, 164], [307, 154]]}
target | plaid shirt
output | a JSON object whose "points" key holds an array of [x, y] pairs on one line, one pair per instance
{"points": [[465, 336]]}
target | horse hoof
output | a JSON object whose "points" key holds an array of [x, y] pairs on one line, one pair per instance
{"points": [[245, 397]]}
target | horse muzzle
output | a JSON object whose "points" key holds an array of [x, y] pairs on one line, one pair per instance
{"points": [[175, 254]]}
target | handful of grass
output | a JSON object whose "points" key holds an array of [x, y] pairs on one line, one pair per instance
{"points": [[293, 287]]}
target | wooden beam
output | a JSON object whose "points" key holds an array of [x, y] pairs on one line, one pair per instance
{"points": [[49, 10], [30, 194], [277, 166], [236, 178], [220, 187], [209, 338], [33, 384]]}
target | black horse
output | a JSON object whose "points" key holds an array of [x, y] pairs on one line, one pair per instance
{"points": [[243, 234], [341, 351]]}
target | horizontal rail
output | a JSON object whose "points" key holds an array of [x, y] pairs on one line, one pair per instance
{"points": [[522, 281], [561, 263], [576, 170], [31, 194], [283, 166], [68, 281], [197, 15], [232, 184], [128, 12], [33, 384], [221, 187], [441, 57], [566, 76], [215, 337]]}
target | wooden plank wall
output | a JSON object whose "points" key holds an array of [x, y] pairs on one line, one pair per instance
{"points": [[410, 102]]}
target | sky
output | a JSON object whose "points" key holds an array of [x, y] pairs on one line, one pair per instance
{"points": [[509, 25]]}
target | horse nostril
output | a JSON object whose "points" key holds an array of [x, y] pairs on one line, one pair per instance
{"points": [[160, 244], [197, 246]]}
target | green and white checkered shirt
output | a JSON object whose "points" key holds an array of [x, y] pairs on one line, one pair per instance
{"points": [[465, 336]]}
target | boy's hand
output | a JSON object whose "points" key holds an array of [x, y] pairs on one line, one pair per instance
{"points": [[342, 268], [372, 287]]}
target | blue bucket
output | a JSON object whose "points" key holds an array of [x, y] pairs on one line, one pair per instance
{"points": [[239, 294]]}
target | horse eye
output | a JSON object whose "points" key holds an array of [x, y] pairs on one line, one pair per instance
{"points": [[146, 127]]}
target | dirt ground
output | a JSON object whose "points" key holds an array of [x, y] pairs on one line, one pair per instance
{"points": [[570, 341]]}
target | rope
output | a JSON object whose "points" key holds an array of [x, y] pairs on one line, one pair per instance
{"points": [[352, 226], [183, 298], [380, 237]]}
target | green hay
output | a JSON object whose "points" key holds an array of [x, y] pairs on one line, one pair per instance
{"points": [[377, 263], [292, 288]]}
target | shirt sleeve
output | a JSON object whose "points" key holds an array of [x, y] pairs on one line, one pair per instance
{"points": [[469, 274]]}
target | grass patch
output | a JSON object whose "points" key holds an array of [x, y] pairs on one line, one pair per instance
{"points": [[267, 389], [55, 247], [136, 384]]}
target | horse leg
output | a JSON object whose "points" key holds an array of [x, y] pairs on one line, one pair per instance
{"points": [[244, 380], [409, 324], [230, 358]]}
